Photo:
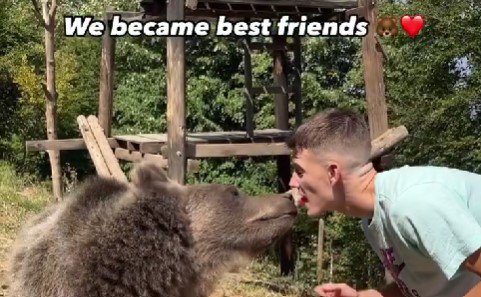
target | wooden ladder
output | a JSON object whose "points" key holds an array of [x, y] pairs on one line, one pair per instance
{"points": [[99, 149]]}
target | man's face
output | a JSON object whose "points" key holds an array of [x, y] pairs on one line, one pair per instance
{"points": [[314, 179]]}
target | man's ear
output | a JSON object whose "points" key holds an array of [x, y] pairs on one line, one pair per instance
{"points": [[334, 173]]}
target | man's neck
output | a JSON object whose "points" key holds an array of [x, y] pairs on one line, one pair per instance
{"points": [[360, 192]]}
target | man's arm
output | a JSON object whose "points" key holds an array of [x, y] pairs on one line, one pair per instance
{"points": [[391, 290], [473, 264]]}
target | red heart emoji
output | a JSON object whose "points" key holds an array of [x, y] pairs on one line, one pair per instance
{"points": [[412, 25]]}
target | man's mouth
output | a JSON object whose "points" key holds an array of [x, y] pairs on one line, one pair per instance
{"points": [[299, 196], [303, 200]]}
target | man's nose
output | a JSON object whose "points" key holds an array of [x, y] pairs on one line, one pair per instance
{"points": [[294, 182]]}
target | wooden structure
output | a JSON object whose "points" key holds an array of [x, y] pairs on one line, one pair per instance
{"points": [[103, 157], [178, 148]]}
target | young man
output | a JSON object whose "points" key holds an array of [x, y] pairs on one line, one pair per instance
{"points": [[424, 223]]}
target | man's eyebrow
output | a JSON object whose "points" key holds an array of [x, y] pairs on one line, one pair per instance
{"points": [[297, 167]]}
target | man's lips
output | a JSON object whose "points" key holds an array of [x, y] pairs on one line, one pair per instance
{"points": [[303, 201], [300, 198]]}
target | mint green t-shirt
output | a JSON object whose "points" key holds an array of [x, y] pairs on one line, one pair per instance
{"points": [[427, 221]]}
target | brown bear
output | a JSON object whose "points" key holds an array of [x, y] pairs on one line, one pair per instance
{"points": [[386, 27], [151, 237]]}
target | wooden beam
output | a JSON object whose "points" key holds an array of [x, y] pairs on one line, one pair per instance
{"points": [[281, 100], [94, 150], [220, 150], [105, 149], [281, 109], [106, 80], [359, 11], [62, 144], [387, 141], [297, 85], [176, 96], [193, 166], [248, 93], [300, 3], [373, 75]]}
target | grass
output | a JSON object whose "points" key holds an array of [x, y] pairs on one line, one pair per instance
{"points": [[23, 196], [20, 197], [261, 279]]}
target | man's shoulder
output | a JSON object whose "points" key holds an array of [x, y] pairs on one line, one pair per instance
{"points": [[394, 182]]}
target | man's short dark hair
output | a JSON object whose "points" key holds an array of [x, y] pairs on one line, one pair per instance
{"points": [[334, 130]]}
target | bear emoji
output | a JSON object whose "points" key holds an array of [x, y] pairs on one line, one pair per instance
{"points": [[386, 27]]}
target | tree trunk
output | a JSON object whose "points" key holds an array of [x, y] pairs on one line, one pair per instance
{"points": [[51, 94]]}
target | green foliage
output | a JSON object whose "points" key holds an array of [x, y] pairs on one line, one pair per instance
{"points": [[427, 90]]}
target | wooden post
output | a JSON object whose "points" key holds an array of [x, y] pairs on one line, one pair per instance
{"points": [[373, 75], [248, 88], [280, 79], [286, 245], [176, 97], [374, 85], [320, 250], [47, 19], [297, 79], [107, 65]]}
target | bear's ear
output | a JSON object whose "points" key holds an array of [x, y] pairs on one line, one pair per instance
{"points": [[147, 173], [393, 21]]}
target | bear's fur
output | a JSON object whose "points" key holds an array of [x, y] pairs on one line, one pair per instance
{"points": [[152, 237]]}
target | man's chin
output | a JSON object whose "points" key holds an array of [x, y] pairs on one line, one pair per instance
{"points": [[314, 212]]}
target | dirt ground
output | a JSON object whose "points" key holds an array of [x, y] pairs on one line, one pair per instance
{"points": [[243, 284], [3, 280]]}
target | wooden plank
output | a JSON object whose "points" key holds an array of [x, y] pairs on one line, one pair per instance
{"points": [[163, 138], [106, 80], [151, 148], [136, 139], [193, 166], [176, 96], [135, 156], [94, 150], [248, 94], [373, 76], [359, 11], [61, 144], [388, 140], [105, 149], [202, 150]]}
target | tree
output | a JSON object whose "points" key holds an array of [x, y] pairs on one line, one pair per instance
{"points": [[47, 20]]}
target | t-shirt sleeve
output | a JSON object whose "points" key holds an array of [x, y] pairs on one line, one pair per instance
{"points": [[436, 221]]}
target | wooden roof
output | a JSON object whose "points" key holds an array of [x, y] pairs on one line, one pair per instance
{"points": [[253, 8]]}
